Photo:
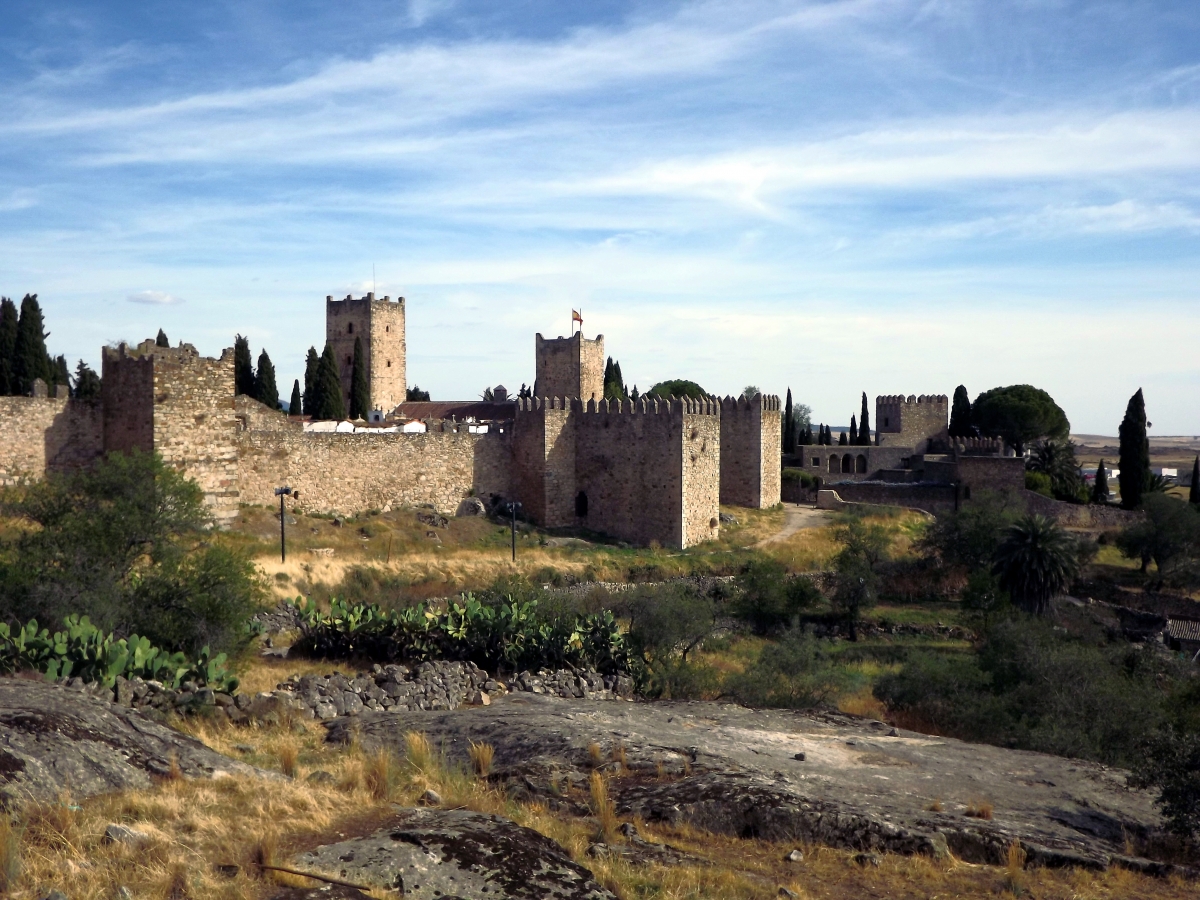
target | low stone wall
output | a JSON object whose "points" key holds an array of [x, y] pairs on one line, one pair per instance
{"points": [[932, 498], [1085, 517]]}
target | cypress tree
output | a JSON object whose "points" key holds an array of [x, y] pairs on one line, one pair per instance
{"points": [[619, 380], [30, 360], [960, 413], [842, 441], [310, 382], [828, 436], [1194, 493], [360, 398], [1135, 453], [853, 431], [330, 404], [864, 424], [634, 395], [265, 390], [8, 344], [59, 373], [87, 382], [243, 369], [161, 340], [608, 377], [808, 435], [789, 432], [295, 405], [1100, 488]]}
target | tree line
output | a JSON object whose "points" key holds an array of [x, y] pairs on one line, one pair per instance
{"points": [[24, 358]]}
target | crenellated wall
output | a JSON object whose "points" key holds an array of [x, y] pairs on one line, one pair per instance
{"points": [[751, 431], [345, 474], [569, 367], [912, 421], [645, 471], [381, 325]]}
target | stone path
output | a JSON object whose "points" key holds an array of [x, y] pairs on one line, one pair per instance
{"points": [[796, 517]]}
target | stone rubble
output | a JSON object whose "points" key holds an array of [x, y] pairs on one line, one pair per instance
{"points": [[437, 685]]}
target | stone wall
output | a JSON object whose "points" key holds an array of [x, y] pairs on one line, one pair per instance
{"points": [[1085, 517], [254, 416], [912, 421], [380, 324], [1003, 474], [345, 474], [932, 498], [750, 451], [569, 367], [702, 473], [41, 434], [127, 396], [850, 463]]}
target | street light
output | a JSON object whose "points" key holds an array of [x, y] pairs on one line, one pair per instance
{"points": [[282, 492], [513, 505]]}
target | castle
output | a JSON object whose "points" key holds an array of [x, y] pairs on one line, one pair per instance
{"points": [[650, 471]]}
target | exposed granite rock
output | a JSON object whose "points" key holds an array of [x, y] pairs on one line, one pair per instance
{"points": [[732, 770], [427, 853], [54, 738]]}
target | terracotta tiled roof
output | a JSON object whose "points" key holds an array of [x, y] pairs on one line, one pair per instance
{"points": [[1184, 629]]}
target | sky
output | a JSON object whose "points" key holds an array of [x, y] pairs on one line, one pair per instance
{"points": [[889, 196]]}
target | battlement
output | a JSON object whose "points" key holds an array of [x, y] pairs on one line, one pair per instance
{"points": [[978, 446], [643, 406], [897, 399], [742, 403], [912, 421]]}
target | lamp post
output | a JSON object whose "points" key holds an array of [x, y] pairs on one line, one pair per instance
{"points": [[282, 492], [512, 508]]}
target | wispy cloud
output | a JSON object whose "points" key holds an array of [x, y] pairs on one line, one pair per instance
{"points": [[154, 298]]}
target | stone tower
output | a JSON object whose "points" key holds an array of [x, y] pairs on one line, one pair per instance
{"points": [[380, 324], [917, 422], [570, 367]]}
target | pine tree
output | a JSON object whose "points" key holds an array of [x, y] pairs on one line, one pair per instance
{"points": [[30, 360], [789, 430], [330, 404], [853, 431], [295, 405], [60, 373], [1135, 453], [1100, 487], [161, 340], [360, 397], [311, 362], [960, 413], [8, 344], [864, 424], [842, 441], [87, 382], [1194, 493], [265, 390], [243, 368]]}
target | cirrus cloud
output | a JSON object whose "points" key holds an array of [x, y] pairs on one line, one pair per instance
{"points": [[154, 298]]}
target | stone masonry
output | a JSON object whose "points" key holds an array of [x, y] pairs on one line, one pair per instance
{"points": [[381, 325], [751, 430], [569, 367]]}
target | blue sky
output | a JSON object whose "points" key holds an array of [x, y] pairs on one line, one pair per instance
{"points": [[891, 197]]}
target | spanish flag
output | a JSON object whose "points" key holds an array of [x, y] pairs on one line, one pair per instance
{"points": [[576, 317]]}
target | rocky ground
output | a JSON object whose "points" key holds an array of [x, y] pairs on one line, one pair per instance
{"points": [[828, 778]]}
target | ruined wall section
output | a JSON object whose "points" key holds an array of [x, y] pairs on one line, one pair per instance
{"points": [[380, 324], [127, 395], [344, 474], [569, 367], [46, 434], [195, 423], [750, 451], [912, 421]]}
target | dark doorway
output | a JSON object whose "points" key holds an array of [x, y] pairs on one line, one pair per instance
{"points": [[581, 505]]}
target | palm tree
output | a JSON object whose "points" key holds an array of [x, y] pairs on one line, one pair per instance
{"points": [[1036, 560], [1057, 460]]}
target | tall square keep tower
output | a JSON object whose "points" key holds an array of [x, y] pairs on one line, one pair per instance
{"points": [[380, 324], [570, 367]]}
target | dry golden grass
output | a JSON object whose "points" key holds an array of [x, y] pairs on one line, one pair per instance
{"points": [[979, 809], [1014, 869], [863, 703], [481, 758], [602, 806]]}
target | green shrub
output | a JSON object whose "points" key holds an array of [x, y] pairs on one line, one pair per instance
{"points": [[1039, 483], [82, 650], [794, 673], [967, 538], [130, 545], [1170, 762], [509, 635], [767, 599]]}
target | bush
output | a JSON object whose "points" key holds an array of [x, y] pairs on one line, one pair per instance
{"points": [[1031, 687], [967, 539], [863, 554], [1169, 535], [1170, 762], [768, 600], [1039, 483], [795, 673], [129, 544]]}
